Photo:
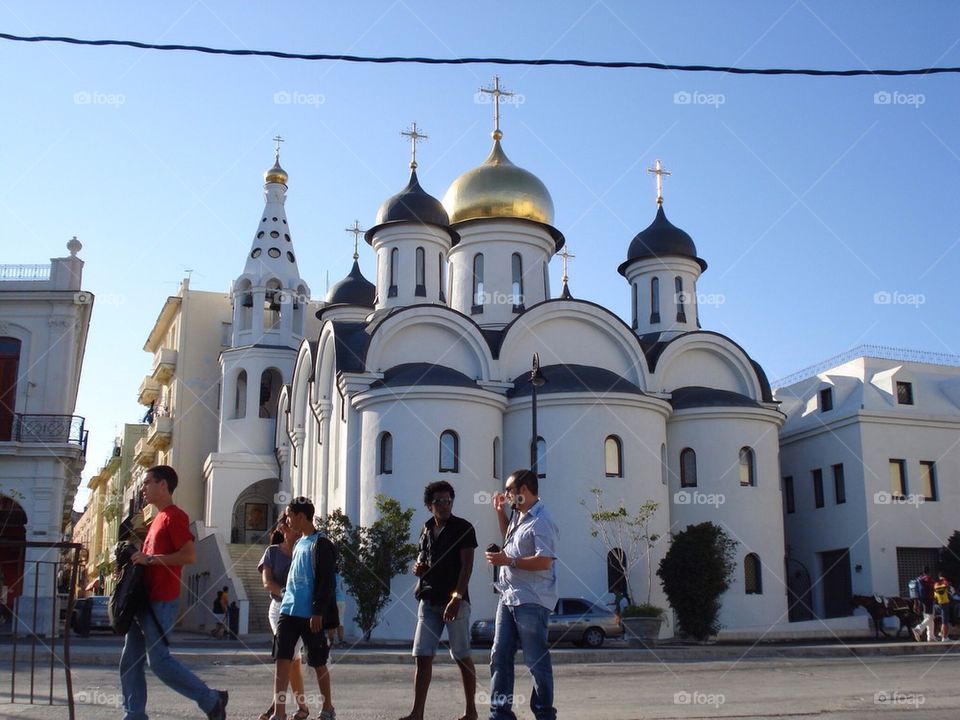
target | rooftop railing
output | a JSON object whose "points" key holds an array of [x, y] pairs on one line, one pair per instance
{"points": [[22, 273]]}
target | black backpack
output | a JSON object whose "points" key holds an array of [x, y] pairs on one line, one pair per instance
{"points": [[130, 592]]}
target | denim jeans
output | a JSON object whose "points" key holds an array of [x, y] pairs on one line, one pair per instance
{"points": [[143, 645], [526, 626]]}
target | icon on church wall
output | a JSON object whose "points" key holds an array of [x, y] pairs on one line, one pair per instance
{"points": [[255, 516]]}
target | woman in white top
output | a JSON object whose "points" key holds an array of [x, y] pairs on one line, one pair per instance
{"points": [[273, 567]]}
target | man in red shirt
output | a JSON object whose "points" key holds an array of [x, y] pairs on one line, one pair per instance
{"points": [[167, 548]]}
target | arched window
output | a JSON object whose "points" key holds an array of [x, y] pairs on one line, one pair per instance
{"points": [[748, 477], [441, 276], [270, 384], [540, 459], [298, 306], [616, 577], [245, 315], [477, 284], [688, 468], [421, 288], [752, 582], [516, 273], [272, 305], [496, 458], [613, 456], [385, 454], [664, 466], [633, 306], [392, 269], [654, 300], [240, 398], [449, 451], [681, 299], [9, 364]]}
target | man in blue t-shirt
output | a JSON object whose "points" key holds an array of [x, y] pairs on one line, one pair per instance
{"points": [[308, 604]]}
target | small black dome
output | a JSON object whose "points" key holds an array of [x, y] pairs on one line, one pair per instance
{"points": [[661, 239], [412, 204], [354, 289]]}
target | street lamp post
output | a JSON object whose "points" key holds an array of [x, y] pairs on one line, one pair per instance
{"points": [[536, 380]]}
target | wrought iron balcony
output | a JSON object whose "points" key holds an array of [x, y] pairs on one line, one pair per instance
{"points": [[46, 429]]}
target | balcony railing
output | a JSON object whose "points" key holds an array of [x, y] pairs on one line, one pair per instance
{"points": [[46, 429], [20, 273], [164, 365]]}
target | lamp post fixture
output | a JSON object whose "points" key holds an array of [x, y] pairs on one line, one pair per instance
{"points": [[536, 380]]}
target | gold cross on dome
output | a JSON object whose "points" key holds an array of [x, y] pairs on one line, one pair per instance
{"points": [[415, 137], [497, 93], [566, 257], [356, 230], [658, 170], [276, 150]]}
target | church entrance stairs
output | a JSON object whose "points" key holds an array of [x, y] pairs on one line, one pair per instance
{"points": [[244, 559]]}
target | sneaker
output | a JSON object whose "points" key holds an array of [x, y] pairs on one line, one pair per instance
{"points": [[327, 715], [219, 712], [916, 634]]}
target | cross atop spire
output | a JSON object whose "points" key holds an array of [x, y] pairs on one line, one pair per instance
{"points": [[415, 137], [356, 230], [276, 151], [658, 170], [497, 92], [566, 255]]}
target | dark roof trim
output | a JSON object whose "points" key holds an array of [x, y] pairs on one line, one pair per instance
{"points": [[557, 236], [562, 378], [421, 374], [696, 396]]}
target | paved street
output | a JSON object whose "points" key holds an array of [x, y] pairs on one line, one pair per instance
{"points": [[875, 687]]}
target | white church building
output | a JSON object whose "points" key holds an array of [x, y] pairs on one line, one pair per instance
{"points": [[424, 375]]}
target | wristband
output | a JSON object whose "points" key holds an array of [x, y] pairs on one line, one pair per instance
{"points": [[513, 563]]}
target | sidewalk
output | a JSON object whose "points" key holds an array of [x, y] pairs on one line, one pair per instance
{"points": [[104, 650]]}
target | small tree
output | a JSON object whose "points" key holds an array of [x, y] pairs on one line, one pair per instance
{"points": [[950, 558], [695, 572], [626, 537], [370, 557]]}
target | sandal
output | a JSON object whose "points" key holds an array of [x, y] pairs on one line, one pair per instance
{"points": [[266, 715], [302, 714]]}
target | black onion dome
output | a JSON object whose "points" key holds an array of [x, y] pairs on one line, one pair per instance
{"points": [[412, 204], [661, 239], [354, 289]]}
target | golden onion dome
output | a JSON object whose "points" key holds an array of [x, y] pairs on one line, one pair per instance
{"points": [[276, 174], [498, 189]]}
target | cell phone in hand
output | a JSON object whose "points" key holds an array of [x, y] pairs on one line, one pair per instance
{"points": [[493, 548]]}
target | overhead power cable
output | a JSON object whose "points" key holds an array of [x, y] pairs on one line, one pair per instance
{"points": [[543, 62]]}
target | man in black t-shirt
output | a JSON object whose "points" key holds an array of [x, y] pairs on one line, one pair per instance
{"points": [[444, 564]]}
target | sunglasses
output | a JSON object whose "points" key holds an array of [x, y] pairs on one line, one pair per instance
{"points": [[443, 502]]}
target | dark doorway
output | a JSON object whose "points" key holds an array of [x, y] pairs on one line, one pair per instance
{"points": [[13, 529], [9, 363], [836, 583]]}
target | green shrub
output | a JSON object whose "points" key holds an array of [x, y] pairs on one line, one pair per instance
{"points": [[695, 572]]}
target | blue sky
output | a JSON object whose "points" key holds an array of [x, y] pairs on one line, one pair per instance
{"points": [[806, 196]]}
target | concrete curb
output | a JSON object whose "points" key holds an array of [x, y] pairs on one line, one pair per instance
{"points": [[109, 655]]}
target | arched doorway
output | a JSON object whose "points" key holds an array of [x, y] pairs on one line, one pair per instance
{"points": [[254, 513], [13, 527]]}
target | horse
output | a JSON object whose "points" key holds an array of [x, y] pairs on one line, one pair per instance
{"points": [[880, 607]]}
